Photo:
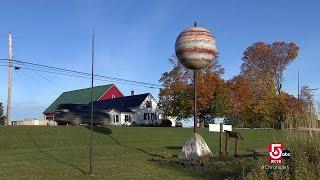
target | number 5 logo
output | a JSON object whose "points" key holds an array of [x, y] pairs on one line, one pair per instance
{"points": [[275, 151]]}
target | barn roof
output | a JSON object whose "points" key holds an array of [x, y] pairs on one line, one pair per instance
{"points": [[79, 96], [121, 104]]}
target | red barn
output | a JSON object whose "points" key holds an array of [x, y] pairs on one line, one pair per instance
{"points": [[82, 96]]}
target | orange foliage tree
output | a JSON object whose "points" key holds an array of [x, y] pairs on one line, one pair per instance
{"points": [[251, 102], [265, 63], [176, 96]]}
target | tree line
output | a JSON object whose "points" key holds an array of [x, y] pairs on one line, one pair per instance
{"points": [[2, 117], [254, 98]]}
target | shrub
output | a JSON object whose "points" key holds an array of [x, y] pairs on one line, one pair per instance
{"points": [[134, 123], [166, 155], [166, 123]]}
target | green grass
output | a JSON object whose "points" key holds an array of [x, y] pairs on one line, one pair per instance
{"points": [[118, 152]]}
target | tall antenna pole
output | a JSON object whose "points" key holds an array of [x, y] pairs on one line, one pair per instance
{"points": [[298, 85], [8, 115], [91, 93]]}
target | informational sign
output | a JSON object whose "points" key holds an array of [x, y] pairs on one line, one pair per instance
{"points": [[216, 127]]}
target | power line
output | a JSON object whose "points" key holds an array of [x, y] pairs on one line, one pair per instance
{"points": [[53, 83], [100, 77], [49, 71], [84, 73], [31, 77]]}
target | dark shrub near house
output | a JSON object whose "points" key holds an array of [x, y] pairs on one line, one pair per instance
{"points": [[179, 124], [166, 123], [134, 123]]}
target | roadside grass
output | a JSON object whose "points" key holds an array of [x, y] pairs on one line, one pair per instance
{"points": [[31, 152]]}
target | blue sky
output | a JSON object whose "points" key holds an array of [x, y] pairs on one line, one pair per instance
{"points": [[134, 39]]}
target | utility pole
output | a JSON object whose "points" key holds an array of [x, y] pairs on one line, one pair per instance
{"points": [[8, 115]]}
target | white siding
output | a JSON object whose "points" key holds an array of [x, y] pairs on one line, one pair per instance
{"points": [[138, 114], [139, 111], [173, 121], [112, 113], [123, 118]]}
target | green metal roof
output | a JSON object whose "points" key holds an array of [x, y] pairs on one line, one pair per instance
{"points": [[80, 96]]}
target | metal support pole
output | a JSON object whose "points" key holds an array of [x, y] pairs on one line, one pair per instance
{"points": [[8, 115], [195, 101], [91, 93], [195, 97]]}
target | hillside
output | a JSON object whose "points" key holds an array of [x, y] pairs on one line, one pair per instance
{"points": [[118, 152]]}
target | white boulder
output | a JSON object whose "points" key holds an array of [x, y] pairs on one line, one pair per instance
{"points": [[194, 148]]}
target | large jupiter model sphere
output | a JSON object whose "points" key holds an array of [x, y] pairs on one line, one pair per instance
{"points": [[195, 47]]}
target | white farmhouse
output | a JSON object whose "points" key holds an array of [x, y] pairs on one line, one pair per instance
{"points": [[129, 110]]}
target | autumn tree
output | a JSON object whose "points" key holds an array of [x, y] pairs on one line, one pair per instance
{"points": [[307, 106], [176, 96], [172, 97], [239, 99], [267, 63], [251, 102], [291, 108], [306, 94], [239, 95], [2, 117]]}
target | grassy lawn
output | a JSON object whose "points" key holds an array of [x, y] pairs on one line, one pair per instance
{"points": [[119, 152]]}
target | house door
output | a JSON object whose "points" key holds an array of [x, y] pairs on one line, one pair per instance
{"points": [[116, 119]]}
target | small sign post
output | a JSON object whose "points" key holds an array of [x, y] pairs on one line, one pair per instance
{"points": [[216, 127], [221, 128], [226, 131]]}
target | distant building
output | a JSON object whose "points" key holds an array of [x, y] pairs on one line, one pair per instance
{"points": [[141, 109], [82, 96], [31, 122]]}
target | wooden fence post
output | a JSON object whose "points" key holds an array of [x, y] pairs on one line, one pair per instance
{"points": [[221, 141], [226, 136], [236, 147]]}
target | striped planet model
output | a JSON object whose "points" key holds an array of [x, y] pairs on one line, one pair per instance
{"points": [[195, 47]]}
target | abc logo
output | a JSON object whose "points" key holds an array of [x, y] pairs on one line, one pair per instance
{"points": [[277, 153], [286, 154]]}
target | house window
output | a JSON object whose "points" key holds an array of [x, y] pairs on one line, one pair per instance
{"points": [[147, 116], [116, 118], [153, 116], [148, 104], [127, 118], [113, 96]]}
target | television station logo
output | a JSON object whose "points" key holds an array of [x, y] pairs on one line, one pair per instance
{"points": [[277, 153]]}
